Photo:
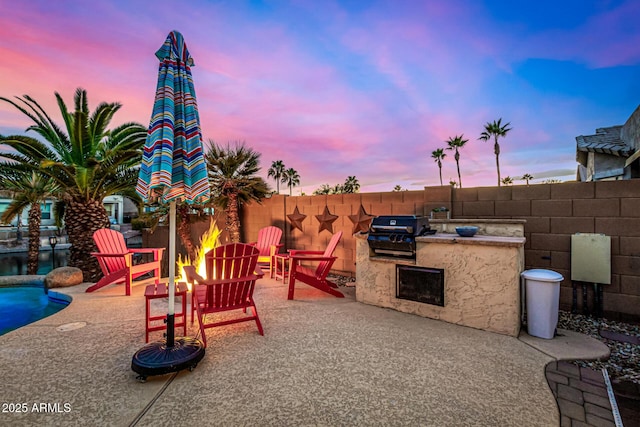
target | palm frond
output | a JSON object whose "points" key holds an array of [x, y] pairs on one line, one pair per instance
{"points": [[46, 127], [29, 149], [15, 208], [100, 119]]}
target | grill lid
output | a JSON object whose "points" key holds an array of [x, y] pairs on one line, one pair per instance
{"points": [[397, 224], [392, 228]]}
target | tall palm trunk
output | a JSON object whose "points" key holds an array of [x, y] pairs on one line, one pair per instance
{"points": [[184, 230], [457, 157], [233, 218], [82, 219], [34, 238], [440, 168], [19, 227], [496, 149]]}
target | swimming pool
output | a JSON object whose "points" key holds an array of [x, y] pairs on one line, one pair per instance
{"points": [[21, 305]]}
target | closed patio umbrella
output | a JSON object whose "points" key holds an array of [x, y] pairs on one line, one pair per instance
{"points": [[173, 168]]}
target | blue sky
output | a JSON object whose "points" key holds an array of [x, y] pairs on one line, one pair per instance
{"points": [[339, 88]]}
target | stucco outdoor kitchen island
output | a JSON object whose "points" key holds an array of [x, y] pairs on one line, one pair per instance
{"points": [[481, 279]]}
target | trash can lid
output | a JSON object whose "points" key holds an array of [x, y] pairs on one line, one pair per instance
{"points": [[542, 275]]}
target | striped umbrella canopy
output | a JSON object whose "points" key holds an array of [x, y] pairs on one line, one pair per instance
{"points": [[173, 166]]}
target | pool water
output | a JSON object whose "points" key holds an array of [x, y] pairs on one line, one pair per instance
{"points": [[22, 305], [15, 264]]}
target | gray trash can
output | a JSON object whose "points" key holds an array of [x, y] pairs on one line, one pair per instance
{"points": [[543, 297]]}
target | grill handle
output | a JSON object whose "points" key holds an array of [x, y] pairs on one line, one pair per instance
{"points": [[403, 228]]}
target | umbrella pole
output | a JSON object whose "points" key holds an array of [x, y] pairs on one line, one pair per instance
{"points": [[172, 275], [170, 355]]}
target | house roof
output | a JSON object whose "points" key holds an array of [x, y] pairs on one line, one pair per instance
{"points": [[606, 141]]}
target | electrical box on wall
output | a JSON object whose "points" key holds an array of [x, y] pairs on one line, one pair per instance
{"points": [[591, 258]]}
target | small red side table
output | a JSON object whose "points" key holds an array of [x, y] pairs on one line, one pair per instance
{"points": [[161, 291], [281, 267]]}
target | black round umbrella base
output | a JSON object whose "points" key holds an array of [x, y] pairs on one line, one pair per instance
{"points": [[158, 359]]}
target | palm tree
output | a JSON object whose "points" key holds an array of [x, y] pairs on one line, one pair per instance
{"points": [[439, 156], [323, 189], [527, 177], [455, 144], [234, 181], [507, 180], [291, 178], [277, 172], [19, 228], [398, 187], [88, 163], [186, 215], [351, 185], [495, 129], [29, 188]]}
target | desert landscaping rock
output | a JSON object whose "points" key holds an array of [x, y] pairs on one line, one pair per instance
{"points": [[63, 277]]}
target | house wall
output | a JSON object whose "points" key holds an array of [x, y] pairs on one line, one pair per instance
{"points": [[114, 206], [553, 212], [47, 210], [607, 166], [631, 130]]}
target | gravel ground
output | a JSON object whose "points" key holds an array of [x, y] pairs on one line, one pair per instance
{"points": [[624, 362], [341, 280]]}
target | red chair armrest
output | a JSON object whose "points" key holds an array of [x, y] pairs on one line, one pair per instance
{"points": [[311, 257], [295, 252], [146, 250], [101, 255]]}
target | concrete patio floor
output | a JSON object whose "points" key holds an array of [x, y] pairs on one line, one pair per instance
{"points": [[322, 361]]}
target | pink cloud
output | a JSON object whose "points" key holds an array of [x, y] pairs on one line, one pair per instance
{"points": [[332, 91]]}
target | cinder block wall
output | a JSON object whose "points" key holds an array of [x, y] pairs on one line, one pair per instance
{"points": [[553, 212], [274, 211], [556, 211]]}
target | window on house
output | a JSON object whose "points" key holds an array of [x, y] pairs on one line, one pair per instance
{"points": [[46, 210], [3, 207]]}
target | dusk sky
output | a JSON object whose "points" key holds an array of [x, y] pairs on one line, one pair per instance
{"points": [[339, 88]]}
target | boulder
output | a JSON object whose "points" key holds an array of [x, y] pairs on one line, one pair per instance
{"points": [[63, 277]]}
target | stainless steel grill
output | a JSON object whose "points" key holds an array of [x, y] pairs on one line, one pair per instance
{"points": [[395, 235]]}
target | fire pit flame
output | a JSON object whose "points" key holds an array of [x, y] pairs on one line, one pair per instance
{"points": [[208, 241]]}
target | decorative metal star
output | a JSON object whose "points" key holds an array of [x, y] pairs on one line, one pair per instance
{"points": [[361, 221], [296, 219], [326, 220]]}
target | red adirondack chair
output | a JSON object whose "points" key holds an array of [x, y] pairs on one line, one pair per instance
{"points": [[318, 277], [231, 277], [269, 245], [116, 260]]}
